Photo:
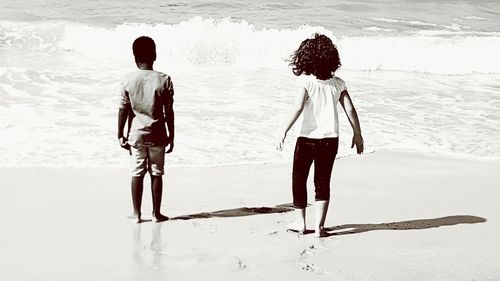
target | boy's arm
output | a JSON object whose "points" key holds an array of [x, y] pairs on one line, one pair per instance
{"points": [[122, 119], [293, 114], [123, 114], [352, 115], [169, 115]]}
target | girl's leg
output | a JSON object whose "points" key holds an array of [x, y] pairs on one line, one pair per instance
{"points": [[320, 209], [302, 160], [299, 222], [323, 165]]}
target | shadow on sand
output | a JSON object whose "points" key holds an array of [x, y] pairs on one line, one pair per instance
{"points": [[404, 225], [238, 212], [340, 229]]}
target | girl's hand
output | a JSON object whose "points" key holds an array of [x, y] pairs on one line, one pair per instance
{"points": [[170, 144], [357, 140], [280, 142]]}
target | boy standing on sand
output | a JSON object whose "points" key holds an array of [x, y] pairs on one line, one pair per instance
{"points": [[147, 103]]}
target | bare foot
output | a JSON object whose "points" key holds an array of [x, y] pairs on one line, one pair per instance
{"points": [[159, 217], [296, 227], [320, 232], [135, 218]]}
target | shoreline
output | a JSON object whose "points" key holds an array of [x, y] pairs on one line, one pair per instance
{"points": [[418, 153], [393, 216]]}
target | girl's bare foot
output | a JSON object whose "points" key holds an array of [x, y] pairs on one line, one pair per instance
{"points": [[320, 232], [159, 217], [296, 226], [321, 208], [299, 224]]}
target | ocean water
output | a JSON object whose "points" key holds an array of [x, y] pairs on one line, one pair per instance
{"points": [[424, 76]]}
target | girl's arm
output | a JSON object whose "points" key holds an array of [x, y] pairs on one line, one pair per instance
{"points": [[350, 111], [293, 114]]}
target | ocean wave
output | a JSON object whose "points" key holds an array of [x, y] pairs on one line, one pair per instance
{"points": [[200, 42]]}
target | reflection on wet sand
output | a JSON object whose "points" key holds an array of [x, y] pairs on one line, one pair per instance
{"points": [[147, 257]]}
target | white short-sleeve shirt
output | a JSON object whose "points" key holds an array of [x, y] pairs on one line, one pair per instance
{"points": [[320, 114]]}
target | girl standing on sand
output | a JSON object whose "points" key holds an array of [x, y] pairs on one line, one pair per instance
{"points": [[318, 92]]}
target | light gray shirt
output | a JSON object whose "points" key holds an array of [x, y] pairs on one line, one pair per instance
{"points": [[149, 94]]}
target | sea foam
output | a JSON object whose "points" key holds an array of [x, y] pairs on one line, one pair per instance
{"points": [[200, 42], [59, 84]]}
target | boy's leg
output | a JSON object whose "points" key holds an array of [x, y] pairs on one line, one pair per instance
{"points": [[138, 168], [137, 188], [156, 191], [156, 157], [323, 165], [302, 161]]}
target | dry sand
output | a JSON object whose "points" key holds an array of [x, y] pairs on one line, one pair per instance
{"points": [[394, 216]]}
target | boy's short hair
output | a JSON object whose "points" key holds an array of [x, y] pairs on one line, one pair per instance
{"points": [[144, 49], [317, 56]]}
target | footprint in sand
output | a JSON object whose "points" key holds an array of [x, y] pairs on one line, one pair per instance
{"points": [[240, 265], [312, 268], [273, 234], [307, 252]]}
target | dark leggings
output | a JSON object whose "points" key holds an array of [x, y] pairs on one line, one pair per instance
{"points": [[320, 151]]}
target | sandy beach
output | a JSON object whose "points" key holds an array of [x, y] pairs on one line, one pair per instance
{"points": [[420, 205], [394, 216]]}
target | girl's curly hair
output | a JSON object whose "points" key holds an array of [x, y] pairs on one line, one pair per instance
{"points": [[317, 56]]}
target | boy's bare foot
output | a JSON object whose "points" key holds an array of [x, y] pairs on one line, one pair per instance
{"points": [[296, 227], [159, 217], [135, 218]]}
